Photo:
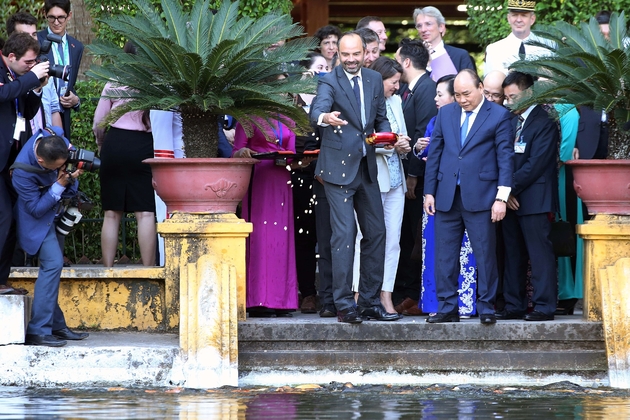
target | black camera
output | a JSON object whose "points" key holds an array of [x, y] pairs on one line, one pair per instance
{"points": [[82, 159], [61, 72]]}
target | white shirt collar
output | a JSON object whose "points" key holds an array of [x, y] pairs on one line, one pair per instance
{"points": [[350, 76], [526, 113]]}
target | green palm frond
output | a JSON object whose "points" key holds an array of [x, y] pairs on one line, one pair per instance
{"points": [[206, 65]]}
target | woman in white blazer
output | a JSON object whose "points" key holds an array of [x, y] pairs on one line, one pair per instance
{"points": [[391, 177]]}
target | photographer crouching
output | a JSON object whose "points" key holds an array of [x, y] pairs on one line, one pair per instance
{"points": [[42, 182]]}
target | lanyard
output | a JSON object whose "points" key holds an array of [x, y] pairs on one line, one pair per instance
{"points": [[65, 60], [278, 133]]}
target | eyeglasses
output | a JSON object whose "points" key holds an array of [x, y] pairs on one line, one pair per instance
{"points": [[492, 95], [60, 19]]}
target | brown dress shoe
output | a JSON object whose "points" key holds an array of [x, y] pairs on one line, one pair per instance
{"points": [[405, 305], [413, 311], [309, 305]]}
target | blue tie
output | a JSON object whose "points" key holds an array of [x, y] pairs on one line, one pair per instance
{"points": [[357, 91], [464, 131]]}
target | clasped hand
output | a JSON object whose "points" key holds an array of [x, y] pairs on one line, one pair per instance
{"points": [[64, 178]]}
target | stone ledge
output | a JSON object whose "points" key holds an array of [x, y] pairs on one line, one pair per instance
{"points": [[16, 313], [97, 272]]}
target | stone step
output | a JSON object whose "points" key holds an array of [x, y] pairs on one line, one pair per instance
{"points": [[567, 345], [15, 311]]}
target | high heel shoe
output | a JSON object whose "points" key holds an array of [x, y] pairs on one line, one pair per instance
{"points": [[565, 306]]}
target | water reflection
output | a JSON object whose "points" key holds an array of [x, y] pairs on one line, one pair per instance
{"points": [[293, 404]]}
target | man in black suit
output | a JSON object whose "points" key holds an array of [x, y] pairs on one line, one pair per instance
{"points": [[534, 195], [20, 99], [467, 185], [350, 103], [66, 53], [419, 107], [445, 59]]}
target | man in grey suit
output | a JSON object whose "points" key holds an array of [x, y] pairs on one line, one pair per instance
{"points": [[467, 183], [350, 104]]}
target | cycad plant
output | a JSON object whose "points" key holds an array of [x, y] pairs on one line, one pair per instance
{"points": [[585, 68], [205, 64]]}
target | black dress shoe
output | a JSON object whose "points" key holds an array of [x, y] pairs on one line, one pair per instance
{"points": [[487, 319], [440, 318], [349, 315], [378, 313], [566, 307], [68, 334], [538, 316], [43, 340], [505, 314], [327, 312]]}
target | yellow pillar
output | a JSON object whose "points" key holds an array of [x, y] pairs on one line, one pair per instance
{"points": [[615, 294], [606, 240], [205, 255]]}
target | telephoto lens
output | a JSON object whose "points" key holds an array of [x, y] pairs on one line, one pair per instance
{"points": [[70, 217]]}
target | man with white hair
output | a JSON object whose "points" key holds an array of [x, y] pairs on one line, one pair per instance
{"points": [[445, 59]]}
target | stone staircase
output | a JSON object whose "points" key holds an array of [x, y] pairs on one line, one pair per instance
{"points": [[417, 352]]}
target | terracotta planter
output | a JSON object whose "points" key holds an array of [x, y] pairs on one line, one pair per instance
{"points": [[603, 185], [201, 185]]}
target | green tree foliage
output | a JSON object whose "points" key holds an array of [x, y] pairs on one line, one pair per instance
{"points": [[8, 8], [104, 9], [487, 19]]}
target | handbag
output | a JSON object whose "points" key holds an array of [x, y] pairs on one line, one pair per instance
{"points": [[562, 236]]}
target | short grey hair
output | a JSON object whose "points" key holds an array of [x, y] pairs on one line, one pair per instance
{"points": [[430, 11]]}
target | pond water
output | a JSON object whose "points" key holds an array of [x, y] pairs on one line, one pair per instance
{"points": [[334, 401]]}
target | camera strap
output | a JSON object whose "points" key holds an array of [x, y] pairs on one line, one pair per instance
{"points": [[29, 168]]}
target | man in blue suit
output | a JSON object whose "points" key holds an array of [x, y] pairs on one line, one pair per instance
{"points": [[350, 103], [467, 184], [40, 180], [534, 195], [68, 53]]}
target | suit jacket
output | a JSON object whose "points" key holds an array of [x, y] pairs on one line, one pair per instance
{"points": [[591, 140], [342, 150], [36, 207], [75, 49], [535, 171], [382, 155], [460, 58], [485, 161], [418, 109], [28, 104]]}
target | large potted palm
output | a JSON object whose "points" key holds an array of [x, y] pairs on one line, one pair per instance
{"points": [[585, 68], [204, 63]]}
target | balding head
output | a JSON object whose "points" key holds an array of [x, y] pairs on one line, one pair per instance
{"points": [[492, 86], [468, 89]]}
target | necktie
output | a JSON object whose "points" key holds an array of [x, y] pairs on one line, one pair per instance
{"points": [[61, 84], [519, 128], [61, 57], [464, 131], [405, 95], [521, 51], [357, 91]]}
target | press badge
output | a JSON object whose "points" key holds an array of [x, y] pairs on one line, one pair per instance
{"points": [[20, 127], [519, 147]]}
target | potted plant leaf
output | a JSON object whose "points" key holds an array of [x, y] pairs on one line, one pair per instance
{"points": [[585, 68], [205, 64]]}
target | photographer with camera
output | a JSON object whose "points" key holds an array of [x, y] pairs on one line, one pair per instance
{"points": [[41, 181], [66, 52], [20, 99]]}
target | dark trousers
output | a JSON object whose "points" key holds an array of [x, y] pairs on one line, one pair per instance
{"points": [[46, 314], [324, 234], [529, 236], [304, 231], [364, 196], [449, 232], [409, 274], [7, 225]]}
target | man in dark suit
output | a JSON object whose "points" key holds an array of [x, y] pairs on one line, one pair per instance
{"points": [[418, 109], [350, 104], [40, 180], [66, 53], [467, 183], [20, 99], [534, 195], [445, 59]]}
